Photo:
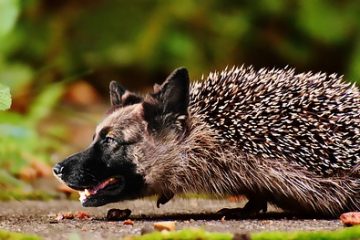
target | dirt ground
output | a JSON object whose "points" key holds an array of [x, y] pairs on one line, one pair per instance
{"points": [[39, 218]]}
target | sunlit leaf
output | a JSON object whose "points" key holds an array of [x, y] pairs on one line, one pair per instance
{"points": [[5, 97]]}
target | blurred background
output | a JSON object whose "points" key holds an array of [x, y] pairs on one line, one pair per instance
{"points": [[57, 58]]}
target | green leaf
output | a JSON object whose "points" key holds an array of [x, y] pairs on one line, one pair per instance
{"points": [[45, 102], [16, 76], [354, 66], [17, 236], [6, 179], [270, 6], [9, 11], [325, 21], [5, 97]]}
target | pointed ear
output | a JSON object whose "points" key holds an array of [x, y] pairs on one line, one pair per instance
{"points": [[173, 94], [169, 102], [116, 92], [120, 97]]}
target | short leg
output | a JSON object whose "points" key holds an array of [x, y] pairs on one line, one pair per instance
{"points": [[253, 206]]}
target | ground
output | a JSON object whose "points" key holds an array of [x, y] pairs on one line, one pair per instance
{"points": [[39, 218]]}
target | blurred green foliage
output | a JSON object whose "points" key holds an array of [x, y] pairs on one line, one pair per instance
{"points": [[5, 97], [139, 42], [200, 234], [6, 235], [9, 10], [45, 45], [20, 140]]}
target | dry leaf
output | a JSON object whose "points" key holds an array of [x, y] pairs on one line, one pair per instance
{"points": [[28, 174], [128, 222], [82, 215], [42, 169], [350, 218], [168, 225]]}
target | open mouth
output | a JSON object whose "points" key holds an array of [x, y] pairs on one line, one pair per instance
{"points": [[109, 187]]}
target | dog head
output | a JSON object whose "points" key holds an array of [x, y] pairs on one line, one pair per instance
{"points": [[130, 144]]}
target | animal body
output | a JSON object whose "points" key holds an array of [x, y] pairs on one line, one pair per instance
{"points": [[277, 137]]}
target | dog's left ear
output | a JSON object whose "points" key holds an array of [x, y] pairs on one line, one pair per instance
{"points": [[120, 97], [173, 94], [170, 100]]}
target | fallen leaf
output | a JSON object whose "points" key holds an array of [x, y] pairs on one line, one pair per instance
{"points": [[66, 215], [350, 218], [82, 215], [168, 225], [128, 222]]}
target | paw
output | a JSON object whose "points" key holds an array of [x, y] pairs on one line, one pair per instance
{"points": [[164, 199], [253, 206], [232, 213]]}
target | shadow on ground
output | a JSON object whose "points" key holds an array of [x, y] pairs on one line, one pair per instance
{"points": [[38, 218]]}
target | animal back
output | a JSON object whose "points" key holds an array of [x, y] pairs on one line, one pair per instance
{"points": [[309, 119]]}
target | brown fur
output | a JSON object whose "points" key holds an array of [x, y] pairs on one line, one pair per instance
{"points": [[183, 143], [198, 163]]}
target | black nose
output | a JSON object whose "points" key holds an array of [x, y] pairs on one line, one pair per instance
{"points": [[57, 169]]}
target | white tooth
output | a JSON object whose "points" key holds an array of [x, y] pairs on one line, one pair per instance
{"points": [[82, 196], [87, 193]]}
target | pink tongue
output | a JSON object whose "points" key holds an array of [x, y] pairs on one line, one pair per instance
{"points": [[102, 185]]}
